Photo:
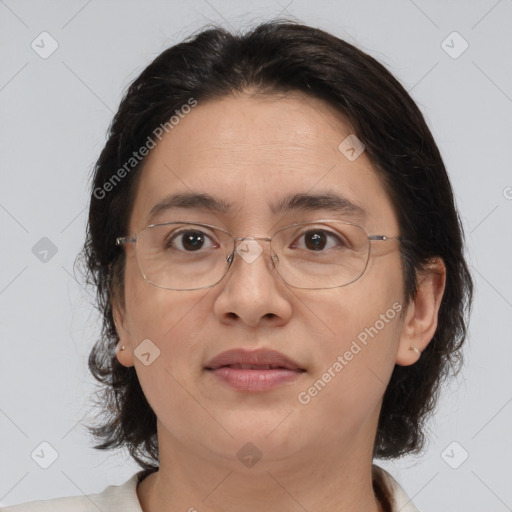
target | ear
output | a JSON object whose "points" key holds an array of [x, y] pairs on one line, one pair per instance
{"points": [[420, 320], [125, 357]]}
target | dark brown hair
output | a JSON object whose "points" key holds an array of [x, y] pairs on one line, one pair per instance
{"points": [[281, 56]]}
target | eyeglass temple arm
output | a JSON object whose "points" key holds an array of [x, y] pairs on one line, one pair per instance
{"points": [[125, 240], [383, 237]]}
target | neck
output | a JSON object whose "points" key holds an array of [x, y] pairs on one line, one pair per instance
{"points": [[326, 478]]}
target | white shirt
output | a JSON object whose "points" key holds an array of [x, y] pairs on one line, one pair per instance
{"points": [[123, 498]]}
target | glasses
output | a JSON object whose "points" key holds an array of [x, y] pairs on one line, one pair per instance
{"points": [[313, 255]]}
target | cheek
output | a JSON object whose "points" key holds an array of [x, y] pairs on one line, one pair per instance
{"points": [[348, 313], [172, 322], [152, 311], [349, 382], [164, 322], [359, 328], [363, 331]]}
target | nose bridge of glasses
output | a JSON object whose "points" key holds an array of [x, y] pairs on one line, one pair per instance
{"points": [[251, 249], [251, 246], [241, 238]]}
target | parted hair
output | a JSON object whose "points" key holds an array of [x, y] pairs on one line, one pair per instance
{"points": [[282, 56]]}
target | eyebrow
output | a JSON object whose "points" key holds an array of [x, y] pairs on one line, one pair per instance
{"points": [[323, 201], [189, 201], [292, 203]]}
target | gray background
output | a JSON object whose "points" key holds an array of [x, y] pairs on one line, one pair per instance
{"points": [[55, 113]]}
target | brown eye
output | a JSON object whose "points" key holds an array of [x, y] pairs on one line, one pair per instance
{"points": [[318, 240], [315, 240], [189, 241], [192, 240]]}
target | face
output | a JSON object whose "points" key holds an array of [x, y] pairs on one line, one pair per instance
{"points": [[251, 152]]}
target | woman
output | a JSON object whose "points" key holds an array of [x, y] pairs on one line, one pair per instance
{"points": [[279, 265]]}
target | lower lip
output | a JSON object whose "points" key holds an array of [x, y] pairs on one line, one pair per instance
{"points": [[255, 380]]}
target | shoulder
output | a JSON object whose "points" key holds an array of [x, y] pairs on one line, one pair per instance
{"points": [[399, 501], [112, 498]]}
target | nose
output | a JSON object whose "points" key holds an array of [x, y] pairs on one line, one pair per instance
{"points": [[252, 293]]}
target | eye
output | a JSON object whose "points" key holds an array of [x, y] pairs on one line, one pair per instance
{"points": [[189, 240], [318, 240]]}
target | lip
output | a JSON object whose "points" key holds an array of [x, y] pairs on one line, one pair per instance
{"points": [[254, 371]]}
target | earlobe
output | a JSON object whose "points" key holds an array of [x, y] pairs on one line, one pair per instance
{"points": [[421, 317], [123, 351]]}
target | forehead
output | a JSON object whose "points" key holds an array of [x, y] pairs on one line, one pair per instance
{"points": [[251, 152]]}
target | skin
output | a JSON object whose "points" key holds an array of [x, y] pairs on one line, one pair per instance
{"points": [[250, 150]]}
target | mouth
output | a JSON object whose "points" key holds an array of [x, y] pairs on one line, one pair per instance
{"points": [[240, 366], [255, 371]]}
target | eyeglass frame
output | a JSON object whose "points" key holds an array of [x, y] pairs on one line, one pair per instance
{"points": [[132, 239]]}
